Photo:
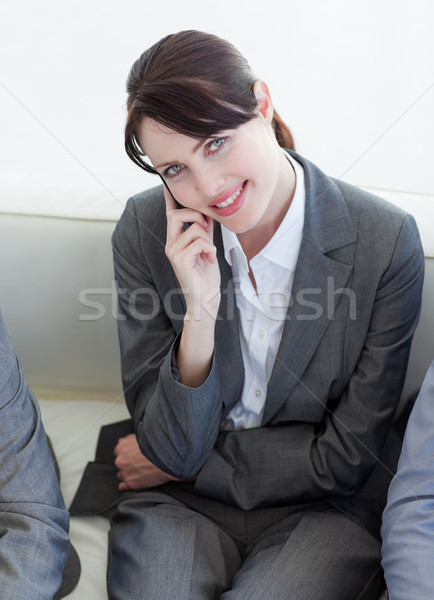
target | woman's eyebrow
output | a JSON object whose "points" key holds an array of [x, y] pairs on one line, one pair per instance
{"points": [[196, 148]]}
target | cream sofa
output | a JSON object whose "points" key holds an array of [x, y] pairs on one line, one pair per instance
{"points": [[58, 298]]}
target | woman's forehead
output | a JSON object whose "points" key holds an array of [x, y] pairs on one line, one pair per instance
{"points": [[163, 145]]}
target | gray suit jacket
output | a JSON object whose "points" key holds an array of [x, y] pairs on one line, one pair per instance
{"points": [[337, 377], [34, 543], [408, 520]]}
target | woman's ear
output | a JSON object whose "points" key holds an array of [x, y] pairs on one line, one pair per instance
{"points": [[263, 98]]}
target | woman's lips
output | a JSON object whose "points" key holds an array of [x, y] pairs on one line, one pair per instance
{"points": [[232, 203]]}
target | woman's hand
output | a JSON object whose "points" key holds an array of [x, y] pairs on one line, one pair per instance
{"points": [[135, 471], [192, 255]]}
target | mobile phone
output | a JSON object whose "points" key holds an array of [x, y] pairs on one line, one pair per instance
{"points": [[178, 204]]}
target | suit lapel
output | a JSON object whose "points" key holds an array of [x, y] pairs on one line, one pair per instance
{"points": [[324, 265], [307, 320], [227, 339]]}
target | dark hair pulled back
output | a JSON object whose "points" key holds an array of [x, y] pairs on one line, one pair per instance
{"points": [[196, 84]]}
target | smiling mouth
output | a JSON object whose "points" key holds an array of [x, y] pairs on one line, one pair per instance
{"points": [[231, 199]]}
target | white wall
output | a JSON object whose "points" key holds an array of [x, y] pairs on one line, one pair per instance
{"points": [[354, 80]]}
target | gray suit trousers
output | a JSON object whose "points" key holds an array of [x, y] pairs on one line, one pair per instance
{"points": [[162, 549]]}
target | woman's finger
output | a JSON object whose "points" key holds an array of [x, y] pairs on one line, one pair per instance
{"points": [[177, 218], [180, 242], [200, 247]]}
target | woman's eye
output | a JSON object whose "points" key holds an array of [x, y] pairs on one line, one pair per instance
{"points": [[173, 170], [217, 144]]}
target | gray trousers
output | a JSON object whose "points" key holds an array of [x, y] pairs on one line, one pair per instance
{"points": [[161, 548]]}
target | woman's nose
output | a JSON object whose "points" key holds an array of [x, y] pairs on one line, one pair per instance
{"points": [[209, 181]]}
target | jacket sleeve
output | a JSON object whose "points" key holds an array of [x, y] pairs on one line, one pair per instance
{"points": [[176, 426], [408, 520], [34, 543], [297, 462]]}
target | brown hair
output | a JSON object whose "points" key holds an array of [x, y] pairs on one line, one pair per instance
{"points": [[196, 84]]}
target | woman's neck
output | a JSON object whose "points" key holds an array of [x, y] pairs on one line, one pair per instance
{"points": [[254, 240]]}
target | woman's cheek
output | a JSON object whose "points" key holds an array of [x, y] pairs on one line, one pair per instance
{"points": [[184, 194]]}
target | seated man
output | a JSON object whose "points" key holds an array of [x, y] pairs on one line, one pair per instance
{"points": [[34, 542], [408, 520]]}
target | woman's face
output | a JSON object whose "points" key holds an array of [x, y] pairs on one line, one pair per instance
{"points": [[239, 177]]}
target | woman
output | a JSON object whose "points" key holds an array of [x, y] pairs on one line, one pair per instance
{"points": [[266, 318]]}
